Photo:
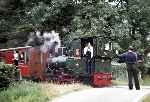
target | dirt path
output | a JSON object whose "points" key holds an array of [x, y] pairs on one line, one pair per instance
{"points": [[110, 94]]}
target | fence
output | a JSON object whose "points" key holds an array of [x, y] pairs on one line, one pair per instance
{"points": [[119, 71]]}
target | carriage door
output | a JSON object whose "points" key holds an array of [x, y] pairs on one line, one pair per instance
{"points": [[23, 62]]}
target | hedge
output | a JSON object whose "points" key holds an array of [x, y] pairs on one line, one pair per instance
{"points": [[7, 74]]}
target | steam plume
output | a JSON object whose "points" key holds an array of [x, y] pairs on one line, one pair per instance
{"points": [[47, 41]]}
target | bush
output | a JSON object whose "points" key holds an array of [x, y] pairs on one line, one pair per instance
{"points": [[7, 72], [147, 68]]}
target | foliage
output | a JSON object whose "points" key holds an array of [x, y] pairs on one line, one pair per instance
{"points": [[96, 19], [135, 14], [147, 65], [6, 74], [126, 21], [83, 18], [29, 15]]}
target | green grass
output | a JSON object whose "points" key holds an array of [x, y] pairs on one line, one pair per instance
{"points": [[146, 98], [119, 82], [55, 90], [27, 91], [23, 92], [144, 82]]}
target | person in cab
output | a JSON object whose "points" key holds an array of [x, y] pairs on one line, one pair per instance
{"points": [[88, 53]]}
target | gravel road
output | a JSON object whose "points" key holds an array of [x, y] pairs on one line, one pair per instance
{"points": [[107, 94]]}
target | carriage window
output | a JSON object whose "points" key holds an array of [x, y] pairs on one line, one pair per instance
{"points": [[2, 55], [26, 56], [21, 57], [108, 46], [62, 51]]}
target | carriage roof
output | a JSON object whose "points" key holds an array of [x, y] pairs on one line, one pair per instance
{"points": [[92, 36], [17, 48]]}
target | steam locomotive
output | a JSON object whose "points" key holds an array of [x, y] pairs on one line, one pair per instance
{"points": [[67, 65]]}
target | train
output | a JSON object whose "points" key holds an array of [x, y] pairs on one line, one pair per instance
{"points": [[67, 66]]}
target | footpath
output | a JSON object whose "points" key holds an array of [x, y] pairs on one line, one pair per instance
{"points": [[107, 94]]}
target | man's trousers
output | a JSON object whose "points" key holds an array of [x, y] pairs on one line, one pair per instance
{"points": [[90, 66], [133, 74]]}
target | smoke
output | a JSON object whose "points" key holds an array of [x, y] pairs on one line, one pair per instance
{"points": [[35, 39], [51, 42], [57, 59], [47, 41]]}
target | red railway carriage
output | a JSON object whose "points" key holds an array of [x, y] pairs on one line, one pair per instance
{"points": [[31, 61], [7, 56]]}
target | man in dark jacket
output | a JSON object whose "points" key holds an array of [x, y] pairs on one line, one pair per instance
{"points": [[130, 58]]}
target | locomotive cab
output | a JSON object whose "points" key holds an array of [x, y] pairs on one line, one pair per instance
{"points": [[101, 64]]}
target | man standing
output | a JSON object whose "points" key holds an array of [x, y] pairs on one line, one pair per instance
{"points": [[88, 53], [16, 58], [130, 58]]}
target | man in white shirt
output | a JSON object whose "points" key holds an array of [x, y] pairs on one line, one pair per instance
{"points": [[89, 47], [16, 58], [88, 53]]}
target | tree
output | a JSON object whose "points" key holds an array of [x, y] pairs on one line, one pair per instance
{"points": [[97, 18], [127, 20], [137, 15], [30, 15]]}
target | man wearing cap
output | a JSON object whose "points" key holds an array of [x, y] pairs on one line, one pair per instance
{"points": [[130, 58]]}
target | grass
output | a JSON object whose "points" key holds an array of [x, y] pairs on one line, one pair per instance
{"points": [[55, 90], [27, 91], [144, 82], [146, 98], [119, 82], [23, 92]]}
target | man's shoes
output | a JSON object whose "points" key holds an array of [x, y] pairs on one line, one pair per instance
{"points": [[130, 87], [137, 88]]}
